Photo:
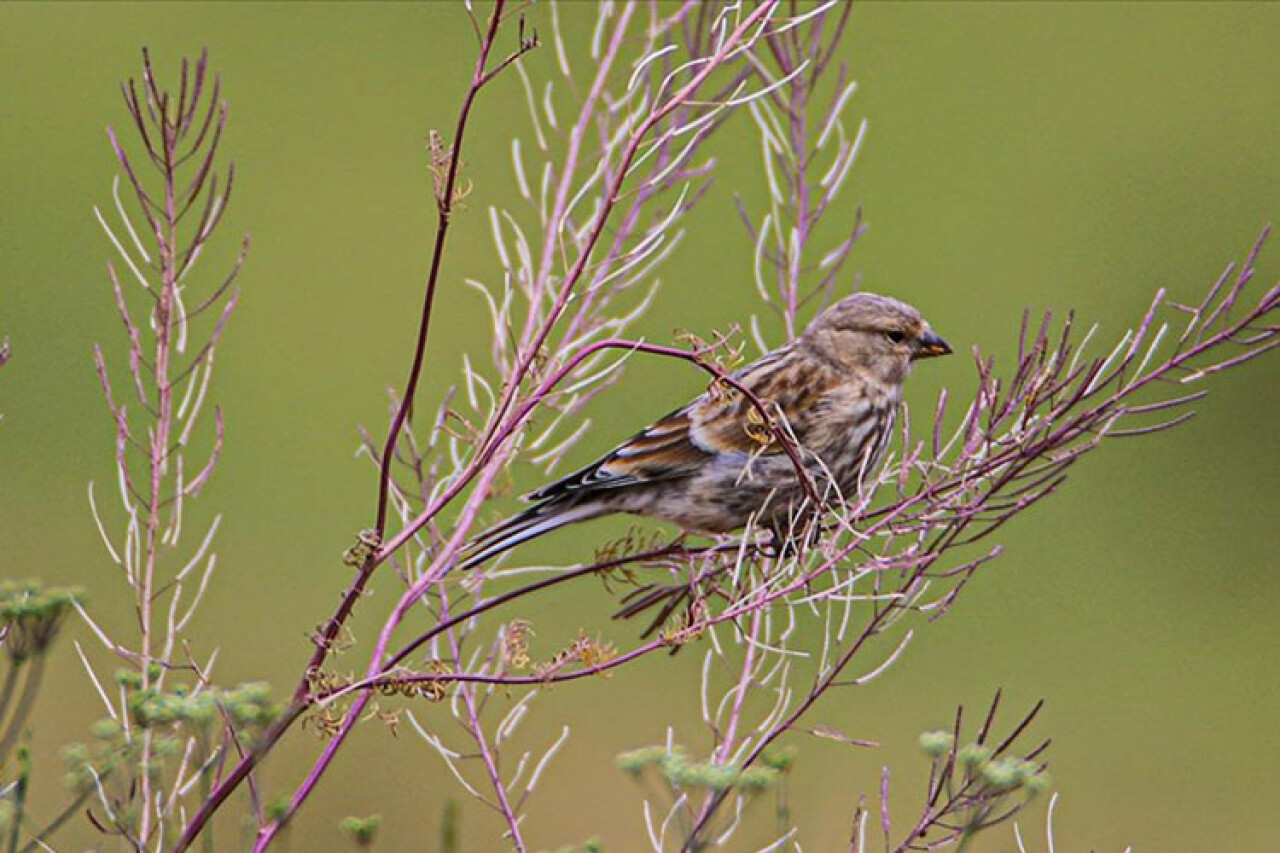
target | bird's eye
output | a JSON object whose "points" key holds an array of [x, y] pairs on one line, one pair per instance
{"points": [[896, 336]]}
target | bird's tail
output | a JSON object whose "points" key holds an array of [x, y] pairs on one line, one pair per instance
{"points": [[533, 522]]}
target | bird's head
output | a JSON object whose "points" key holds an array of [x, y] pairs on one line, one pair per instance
{"points": [[873, 335]]}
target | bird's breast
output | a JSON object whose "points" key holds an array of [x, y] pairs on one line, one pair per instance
{"points": [[850, 437]]}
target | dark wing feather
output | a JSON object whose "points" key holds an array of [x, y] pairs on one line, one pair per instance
{"points": [[679, 444], [661, 452]]}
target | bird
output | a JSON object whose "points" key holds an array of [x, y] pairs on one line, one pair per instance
{"points": [[717, 464]]}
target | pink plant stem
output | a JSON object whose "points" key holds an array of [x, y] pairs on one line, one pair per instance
{"points": [[535, 399], [521, 592], [799, 136], [1010, 471], [745, 678], [164, 124], [797, 111], [744, 682], [637, 205], [444, 209], [498, 431], [160, 438], [609, 202], [737, 611], [355, 591], [1004, 466], [444, 206], [495, 776], [487, 757], [616, 662], [555, 223], [444, 560], [502, 429], [1001, 465], [729, 615], [410, 598], [245, 766], [714, 802]]}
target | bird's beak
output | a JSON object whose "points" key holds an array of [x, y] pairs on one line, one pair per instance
{"points": [[929, 345]]}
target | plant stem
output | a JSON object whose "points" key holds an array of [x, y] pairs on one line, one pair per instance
{"points": [[22, 710], [444, 211]]}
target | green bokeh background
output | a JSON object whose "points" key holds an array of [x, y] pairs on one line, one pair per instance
{"points": [[1042, 155]]}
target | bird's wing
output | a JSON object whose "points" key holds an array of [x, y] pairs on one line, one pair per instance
{"points": [[788, 385], [663, 451], [720, 421]]}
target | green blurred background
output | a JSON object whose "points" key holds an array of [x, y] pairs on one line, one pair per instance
{"points": [[1043, 155]]}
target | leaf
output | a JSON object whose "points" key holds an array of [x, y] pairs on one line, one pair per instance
{"points": [[835, 734]]}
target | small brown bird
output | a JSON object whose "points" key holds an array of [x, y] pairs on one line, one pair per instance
{"points": [[714, 464]]}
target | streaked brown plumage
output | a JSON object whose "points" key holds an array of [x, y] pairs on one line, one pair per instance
{"points": [[713, 465]]}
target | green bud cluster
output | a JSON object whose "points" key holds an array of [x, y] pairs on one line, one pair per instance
{"points": [[30, 616], [979, 760], [936, 743], [362, 830], [277, 809], [1015, 774], [171, 715], [681, 772], [248, 705]]}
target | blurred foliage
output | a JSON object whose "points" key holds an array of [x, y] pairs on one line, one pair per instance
{"points": [[362, 830], [31, 615]]}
